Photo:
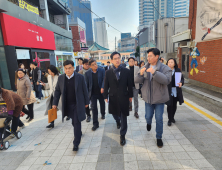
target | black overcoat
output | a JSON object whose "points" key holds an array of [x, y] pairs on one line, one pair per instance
{"points": [[118, 91], [179, 90]]}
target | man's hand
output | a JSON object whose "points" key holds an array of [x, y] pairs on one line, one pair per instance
{"points": [[142, 71], [102, 90], [37, 83], [180, 85], [54, 107], [86, 106], [151, 70], [130, 100], [106, 100]]}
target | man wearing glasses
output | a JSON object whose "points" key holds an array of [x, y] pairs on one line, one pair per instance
{"points": [[118, 88], [95, 83]]}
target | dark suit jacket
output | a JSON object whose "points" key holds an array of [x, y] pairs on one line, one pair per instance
{"points": [[179, 90], [118, 91], [106, 68], [77, 69], [81, 95], [89, 81]]}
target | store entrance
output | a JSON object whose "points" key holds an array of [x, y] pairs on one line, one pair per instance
{"points": [[60, 60], [26, 63]]}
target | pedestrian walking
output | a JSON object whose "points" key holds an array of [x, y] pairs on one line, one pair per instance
{"points": [[52, 82], [136, 63], [36, 79], [44, 81], [14, 106], [175, 92], [95, 85], [72, 88], [155, 77], [133, 72], [83, 72], [141, 64], [123, 64], [80, 66], [108, 66], [24, 90], [22, 66], [118, 92]]}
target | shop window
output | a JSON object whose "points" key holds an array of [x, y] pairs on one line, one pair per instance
{"points": [[63, 43]]}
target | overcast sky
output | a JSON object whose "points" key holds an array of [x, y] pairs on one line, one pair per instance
{"points": [[121, 14]]}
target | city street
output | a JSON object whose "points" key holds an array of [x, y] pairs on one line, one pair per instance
{"points": [[193, 142]]}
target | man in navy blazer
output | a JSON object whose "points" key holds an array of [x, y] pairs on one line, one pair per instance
{"points": [[72, 88], [95, 84]]}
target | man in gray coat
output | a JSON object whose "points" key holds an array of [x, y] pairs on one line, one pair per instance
{"points": [[155, 77], [133, 72], [72, 87]]}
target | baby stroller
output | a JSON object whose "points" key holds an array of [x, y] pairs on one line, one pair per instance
{"points": [[5, 120]]}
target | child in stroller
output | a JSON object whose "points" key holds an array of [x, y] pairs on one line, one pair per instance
{"points": [[5, 119]]}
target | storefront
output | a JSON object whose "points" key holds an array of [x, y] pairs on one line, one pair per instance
{"points": [[23, 42], [61, 57]]}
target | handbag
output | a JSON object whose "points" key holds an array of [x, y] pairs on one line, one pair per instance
{"points": [[52, 115], [46, 87]]}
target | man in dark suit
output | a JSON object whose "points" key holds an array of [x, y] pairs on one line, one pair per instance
{"points": [[72, 87], [80, 66], [123, 64], [95, 84], [108, 66], [118, 88]]}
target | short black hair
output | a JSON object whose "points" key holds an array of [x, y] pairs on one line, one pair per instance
{"points": [[155, 51], [176, 66], [34, 63], [80, 58], [85, 61], [19, 66], [67, 62], [141, 63], [131, 58], [114, 53], [54, 69], [20, 69], [91, 61], [108, 61]]}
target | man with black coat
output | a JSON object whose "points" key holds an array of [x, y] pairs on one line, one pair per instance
{"points": [[80, 66], [118, 89], [95, 84], [72, 87], [108, 66]]}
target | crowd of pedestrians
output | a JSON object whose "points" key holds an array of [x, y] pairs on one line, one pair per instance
{"points": [[75, 91]]}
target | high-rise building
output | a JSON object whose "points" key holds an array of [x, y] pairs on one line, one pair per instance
{"points": [[82, 9], [181, 8], [146, 13], [100, 32], [125, 35]]}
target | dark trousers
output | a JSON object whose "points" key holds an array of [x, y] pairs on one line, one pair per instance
{"points": [[123, 120], [87, 111], [72, 112], [15, 123], [38, 91], [30, 111], [171, 110], [94, 99]]}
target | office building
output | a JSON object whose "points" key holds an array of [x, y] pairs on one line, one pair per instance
{"points": [[100, 32]]}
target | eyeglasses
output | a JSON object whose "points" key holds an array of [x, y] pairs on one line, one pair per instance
{"points": [[117, 58]]}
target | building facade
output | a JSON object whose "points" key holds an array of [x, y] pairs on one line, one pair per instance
{"points": [[100, 32], [126, 45], [181, 8], [32, 35], [82, 9]]}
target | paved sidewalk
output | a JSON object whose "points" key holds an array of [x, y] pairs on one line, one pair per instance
{"points": [[192, 143]]}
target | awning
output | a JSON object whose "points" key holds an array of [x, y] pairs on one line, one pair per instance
{"points": [[185, 35]]}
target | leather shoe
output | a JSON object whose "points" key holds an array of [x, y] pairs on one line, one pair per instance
{"points": [[88, 118], [173, 121], [50, 126], [68, 118], [118, 125], [75, 148], [27, 117], [148, 127], [130, 108], [94, 128], [169, 123], [103, 117], [159, 143], [122, 140], [136, 115]]}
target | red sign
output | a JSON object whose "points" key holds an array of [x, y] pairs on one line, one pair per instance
{"points": [[20, 33]]}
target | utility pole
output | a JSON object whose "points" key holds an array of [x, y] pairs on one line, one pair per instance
{"points": [[115, 43]]}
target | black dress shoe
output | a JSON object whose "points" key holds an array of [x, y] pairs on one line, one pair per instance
{"points": [[88, 118], [122, 140], [68, 118], [169, 123], [103, 117], [159, 143], [50, 126], [75, 148], [30, 119], [136, 115], [94, 128], [27, 117], [148, 127], [173, 121], [118, 124]]}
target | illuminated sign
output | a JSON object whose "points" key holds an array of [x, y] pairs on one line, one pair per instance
{"points": [[24, 5]]}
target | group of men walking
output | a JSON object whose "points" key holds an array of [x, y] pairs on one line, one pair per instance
{"points": [[117, 86]]}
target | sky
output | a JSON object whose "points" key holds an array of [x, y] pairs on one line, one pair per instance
{"points": [[121, 14]]}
